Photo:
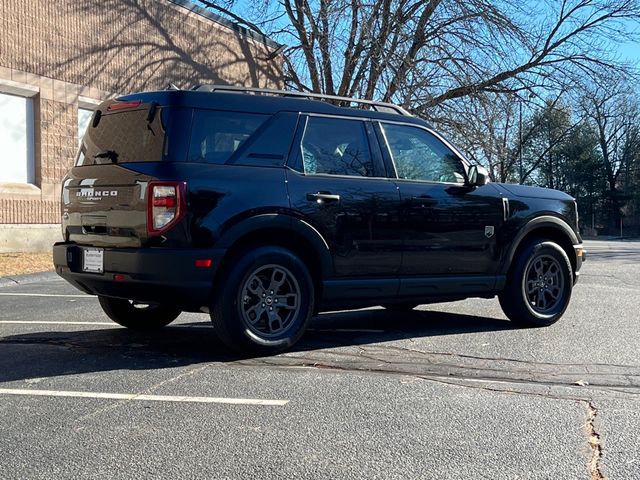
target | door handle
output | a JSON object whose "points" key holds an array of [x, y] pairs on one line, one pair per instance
{"points": [[323, 197], [424, 200]]}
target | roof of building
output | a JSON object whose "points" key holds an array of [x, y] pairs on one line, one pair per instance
{"points": [[209, 15]]}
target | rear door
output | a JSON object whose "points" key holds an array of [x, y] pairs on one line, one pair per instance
{"points": [[448, 227], [336, 181]]}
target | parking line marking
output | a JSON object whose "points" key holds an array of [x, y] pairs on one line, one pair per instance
{"points": [[44, 322], [4, 294], [143, 397]]}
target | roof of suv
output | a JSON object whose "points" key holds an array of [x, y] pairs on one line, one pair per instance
{"points": [[259, 103]]}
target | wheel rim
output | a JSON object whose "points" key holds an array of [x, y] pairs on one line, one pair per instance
{"points": [[543, 284], [270, 300]]}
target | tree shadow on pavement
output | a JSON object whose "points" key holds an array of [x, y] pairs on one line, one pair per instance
{"points": [[58, 353]]}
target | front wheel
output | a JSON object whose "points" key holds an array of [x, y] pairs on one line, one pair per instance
{"points": [[137, 316], [265, 303], [538, 286]]}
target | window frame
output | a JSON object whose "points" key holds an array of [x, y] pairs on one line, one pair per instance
{"points": [[388, 156], [30, 125], [295, 162]]}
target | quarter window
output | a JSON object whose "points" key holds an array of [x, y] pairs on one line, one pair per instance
{"points": [[419, 155], [217, 134], [336, 147]]}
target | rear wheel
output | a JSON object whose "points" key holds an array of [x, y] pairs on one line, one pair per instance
{"points": [[265, 302], [138, 316], [539, 285]]}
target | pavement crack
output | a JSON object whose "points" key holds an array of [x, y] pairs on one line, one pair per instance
{"points": [[595, 443], [503, 359], [121, 403]]}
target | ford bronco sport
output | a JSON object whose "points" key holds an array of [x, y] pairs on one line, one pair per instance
{"points": [[264, 207]]}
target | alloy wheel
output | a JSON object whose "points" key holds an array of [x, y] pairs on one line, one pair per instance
{"points": [[543, 284], [270, 300]]}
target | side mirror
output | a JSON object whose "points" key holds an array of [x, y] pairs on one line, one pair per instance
{"points": [[478, 176]]}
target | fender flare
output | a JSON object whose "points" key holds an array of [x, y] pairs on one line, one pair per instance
{"points": [[544, 221], [279, 221]]}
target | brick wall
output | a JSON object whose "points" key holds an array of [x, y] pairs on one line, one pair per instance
{"points": [[127, 45], [76, 51]]}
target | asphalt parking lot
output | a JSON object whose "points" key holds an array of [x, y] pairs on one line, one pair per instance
{"points": [[448, 391]]}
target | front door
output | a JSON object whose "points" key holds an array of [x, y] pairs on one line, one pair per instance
{"points": [[448, 227], [336, 181]]}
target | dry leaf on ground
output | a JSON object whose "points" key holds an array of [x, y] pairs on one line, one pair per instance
{"points": [[23, 263]]}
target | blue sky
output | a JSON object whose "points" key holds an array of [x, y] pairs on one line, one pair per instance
{"points": [[630, 50]]}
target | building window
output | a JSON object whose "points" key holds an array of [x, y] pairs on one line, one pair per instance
{"points": [[16, 139], [84, 117]]}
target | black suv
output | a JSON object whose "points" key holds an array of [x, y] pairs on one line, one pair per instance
{"points": [[264, 207]]}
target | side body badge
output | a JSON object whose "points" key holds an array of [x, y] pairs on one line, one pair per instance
{"points": [[488, 231]]}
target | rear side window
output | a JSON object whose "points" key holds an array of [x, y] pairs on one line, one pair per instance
{"points": [[216, 135], [336, 147], [125, 137]]}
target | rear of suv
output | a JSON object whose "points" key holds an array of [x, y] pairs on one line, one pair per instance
{"points": [[264, 207]]}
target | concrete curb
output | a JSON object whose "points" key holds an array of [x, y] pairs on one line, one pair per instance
{"points": [[29, 278]]}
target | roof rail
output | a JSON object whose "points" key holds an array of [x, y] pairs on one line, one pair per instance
{"points": [[377, 106]]}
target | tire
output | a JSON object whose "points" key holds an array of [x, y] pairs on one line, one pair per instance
{"points": [[539, 285], [400, 307], [138, 317], [248, 317]]}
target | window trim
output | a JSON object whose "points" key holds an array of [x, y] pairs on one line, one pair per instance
{"points": [[33, 181], [389, 156], [294, 161], [88, 103], [18, 89]]}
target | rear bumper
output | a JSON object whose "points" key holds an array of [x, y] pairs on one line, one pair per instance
{"points": [[146, 274]]}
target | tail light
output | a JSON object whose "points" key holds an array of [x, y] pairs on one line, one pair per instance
{"points": [[166, 205]]}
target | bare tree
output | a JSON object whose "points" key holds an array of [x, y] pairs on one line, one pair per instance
{"points": [[423, 53], [614, 111]]}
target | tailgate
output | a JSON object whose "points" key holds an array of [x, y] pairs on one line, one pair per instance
{"points": [[105, 206]]}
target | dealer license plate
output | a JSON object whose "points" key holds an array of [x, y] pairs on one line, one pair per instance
{"points": [[93, 260]]}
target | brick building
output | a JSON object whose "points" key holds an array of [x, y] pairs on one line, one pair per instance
{"points": [[60, 58]]}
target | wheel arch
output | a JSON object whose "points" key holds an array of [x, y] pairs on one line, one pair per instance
{"points": [[280, 230], [545, 227]]}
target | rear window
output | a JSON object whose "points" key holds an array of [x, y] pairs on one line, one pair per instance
{"points": [[125, 137], [216, 135]]}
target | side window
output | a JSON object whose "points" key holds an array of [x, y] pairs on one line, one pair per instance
{"points": [[418, 155], [216, 134], [336, 146]]}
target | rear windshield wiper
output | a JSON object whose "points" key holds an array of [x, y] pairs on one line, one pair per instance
{"points": [[109, 154]]}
